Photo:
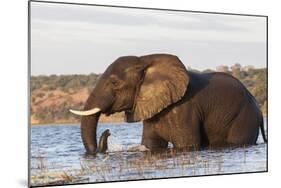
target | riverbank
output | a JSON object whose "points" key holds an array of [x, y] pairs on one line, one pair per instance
{"points": [[103, 119], [116, 118]]}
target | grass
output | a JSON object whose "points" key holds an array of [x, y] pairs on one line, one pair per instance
{"points": [[138, 167], [121, 166], [45, 177]]}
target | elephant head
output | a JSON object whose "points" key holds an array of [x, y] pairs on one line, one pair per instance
{"points": [[140, 86]]}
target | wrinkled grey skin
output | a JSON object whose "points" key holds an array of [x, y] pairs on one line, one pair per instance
{"points": [[188, 109]]}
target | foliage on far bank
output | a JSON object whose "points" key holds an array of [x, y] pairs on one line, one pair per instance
{"points": [[66, 83], [52, 96]]}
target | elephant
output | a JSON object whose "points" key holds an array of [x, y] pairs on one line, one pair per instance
{"points": [[187, 109]]}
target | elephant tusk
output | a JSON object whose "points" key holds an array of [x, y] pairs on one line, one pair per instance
{"points": [[86, 112]]}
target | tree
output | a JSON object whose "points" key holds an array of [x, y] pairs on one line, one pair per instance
{"points": [[222, 68], [236, 67], [248, 68]]}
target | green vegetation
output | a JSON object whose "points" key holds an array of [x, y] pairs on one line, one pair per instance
{"points": [[63, 82], [52, 96]]}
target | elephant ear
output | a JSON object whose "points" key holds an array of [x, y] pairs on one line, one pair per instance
{"points": [[165, 82]]}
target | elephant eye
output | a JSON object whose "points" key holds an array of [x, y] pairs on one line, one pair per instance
{"points": [[114, 82]]}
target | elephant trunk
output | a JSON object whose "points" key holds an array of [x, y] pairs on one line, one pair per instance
{"points": [[95, 105], [89, 132]]}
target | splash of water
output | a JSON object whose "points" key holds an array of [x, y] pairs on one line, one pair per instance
{"points": [[113, 145]]}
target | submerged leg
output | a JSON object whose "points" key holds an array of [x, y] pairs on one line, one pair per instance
{"points": [[152, 140], [245, 128]]}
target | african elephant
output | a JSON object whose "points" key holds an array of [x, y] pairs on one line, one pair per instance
{"points": [[187, 109]]}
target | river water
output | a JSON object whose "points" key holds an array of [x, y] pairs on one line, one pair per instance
{"points": [[57, 157]]}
